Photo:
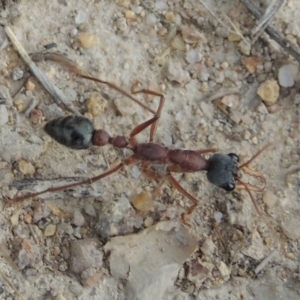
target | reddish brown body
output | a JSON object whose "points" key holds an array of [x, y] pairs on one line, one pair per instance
{"points": [[187, 160]]}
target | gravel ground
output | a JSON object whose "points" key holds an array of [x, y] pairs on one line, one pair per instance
{"points": [[89, 242]]}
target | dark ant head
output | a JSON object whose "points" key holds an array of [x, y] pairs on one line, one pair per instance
{"points": [[222, 170], [73, 131]]}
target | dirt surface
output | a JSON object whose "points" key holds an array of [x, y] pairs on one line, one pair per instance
{"points": [[64, 245]]}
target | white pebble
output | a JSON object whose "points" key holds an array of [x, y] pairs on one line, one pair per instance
{"points": [[193, 56], [3, 115], [287, 75], [151, 19], [135, 172], [80, 17], [218, 216], [161, 5], [290, 229]]}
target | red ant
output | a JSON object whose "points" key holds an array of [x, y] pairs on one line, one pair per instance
{"points": [[79, 133]]}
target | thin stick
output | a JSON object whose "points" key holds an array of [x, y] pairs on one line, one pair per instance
{"points": [[52, 89], [6, 279], [220, 21], [264, 262], [271, 11], [291, 48]]}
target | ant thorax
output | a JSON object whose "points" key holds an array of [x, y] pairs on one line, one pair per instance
{"points": [[222, 170]]}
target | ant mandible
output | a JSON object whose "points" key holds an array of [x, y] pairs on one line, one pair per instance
{"points": [[77, 132]]}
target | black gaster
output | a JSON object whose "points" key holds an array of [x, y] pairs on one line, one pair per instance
{"points": [[222, 170], [72, 131]]}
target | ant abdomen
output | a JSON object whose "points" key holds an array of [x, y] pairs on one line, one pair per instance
{"points": [[72, 131]]}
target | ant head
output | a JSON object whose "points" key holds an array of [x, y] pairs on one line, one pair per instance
{"points": [[72, 131], [222, 170]]}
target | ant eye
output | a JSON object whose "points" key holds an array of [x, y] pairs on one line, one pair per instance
{"points": [[234, 157], [229, 186]]}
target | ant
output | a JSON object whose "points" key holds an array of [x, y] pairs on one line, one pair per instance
{"points": [[77, 132]]}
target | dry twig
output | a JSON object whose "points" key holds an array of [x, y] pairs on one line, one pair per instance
{"points": [[52, 89], [291, 48]]}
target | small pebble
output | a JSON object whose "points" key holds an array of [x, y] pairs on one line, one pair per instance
{"points": [[170, 16], [251, 63], [90, 210], [81, 17], [37, 116], [40, 211], [30, 86], [60, 297], [218, 216], [175, 73], [50, 230], [151, 19], [19, 103], [268, 91], [245, 47], [219, 76], [142, 202], [191, 35], [268, 66], [3, 115], [27, 218], [287, 75], [177, 43], [269, 199], [65, 228], [225, 65], [255, 140], [14, 219], [273, 109], [96, 105], [223, 269], [208, 247], [17, 74], [148, 222], [290, 229], [56, 251], [124, 3], [88, 40], [193, 56], [26, 167], [129, 14], [78, 218], [161, 5], [121, 24], [234, 37], [135, 172], [85, 254]]}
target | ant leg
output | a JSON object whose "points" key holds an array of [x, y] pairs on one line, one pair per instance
{"points": [[153, 176], [25, 79], [159, 109], [248, 189], [72, 68], [247, 170], [250, 186], [255, 156], [179, 188], [210, 150], [129, 161], [266, 220]]}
